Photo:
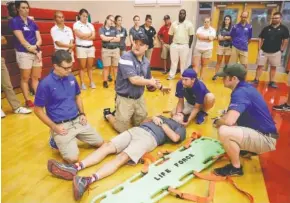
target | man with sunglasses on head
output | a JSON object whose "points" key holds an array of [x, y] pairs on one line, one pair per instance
{"points": [[59, 94]]}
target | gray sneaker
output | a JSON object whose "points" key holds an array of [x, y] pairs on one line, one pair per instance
{"points": [[170, 78], [80, 185], [60, 170]]}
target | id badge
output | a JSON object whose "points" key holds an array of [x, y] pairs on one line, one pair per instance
{"points": [[107, 33]]}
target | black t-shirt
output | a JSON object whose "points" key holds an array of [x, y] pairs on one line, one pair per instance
{"points": [[273, 38], [150, 34]]}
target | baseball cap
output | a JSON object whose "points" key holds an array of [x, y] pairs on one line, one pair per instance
{"points": [[166, 17], [189, 73], [142, 37], [237, 70]]}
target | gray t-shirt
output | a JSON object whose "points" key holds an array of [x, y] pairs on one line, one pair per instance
{"points": [[122, 34], [159, 134], [112, 32], [133, 31], [130, 66]]}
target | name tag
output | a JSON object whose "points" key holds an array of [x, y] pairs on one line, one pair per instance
{"points": [[26, 28], [121, 35], [107, 33]]}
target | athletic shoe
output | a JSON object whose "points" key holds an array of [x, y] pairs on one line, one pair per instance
{"points": [[80, 185], [29, 104], [52, 143], [105, 84], [93, 86], [106, 112], [61, 170], [229, 170], [200, 117], [84, 87], [170, 78], [110, 79], [2, 114], [255, 82], [282, 107], [272, 84], [22, 110]]}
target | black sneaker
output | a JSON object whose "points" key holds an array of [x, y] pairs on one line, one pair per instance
{"points": [[106, 112], [200, 117], [255, 82], [110, 79], [214, 77], [228, 170], [80, 185], [272, 84], [60, 170], [282, 107], [105, 84]]}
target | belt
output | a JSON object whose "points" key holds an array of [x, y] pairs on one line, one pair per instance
{"points": [[84, 46], [64, 121], [128, 96], [272, 135], [108, 47]]}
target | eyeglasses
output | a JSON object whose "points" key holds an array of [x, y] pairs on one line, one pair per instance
{"points": [[65, 68]]}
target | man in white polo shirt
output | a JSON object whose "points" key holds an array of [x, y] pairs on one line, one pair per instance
{"points": [[181, 35], [62, 35]]}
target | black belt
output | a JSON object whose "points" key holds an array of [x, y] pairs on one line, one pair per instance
{"points": [[109, 47], [128, 96], [64, 121], [84, 46]]}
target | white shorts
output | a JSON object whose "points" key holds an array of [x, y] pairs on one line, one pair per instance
{"points": [[85, 52], [27, 60]]}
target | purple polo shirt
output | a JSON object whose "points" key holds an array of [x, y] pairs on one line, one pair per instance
{"points": [[28, 31], [240, 36]]}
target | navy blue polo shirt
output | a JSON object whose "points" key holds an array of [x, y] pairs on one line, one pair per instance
{"points": [[193, 95], [58, 96], [253, 110]]}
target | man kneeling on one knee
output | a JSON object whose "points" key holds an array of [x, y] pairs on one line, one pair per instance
{"points": [[198, 98], [130, 145], [247, 125]]}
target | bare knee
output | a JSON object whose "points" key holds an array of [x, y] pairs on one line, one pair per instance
{"points": [[109, 146], [25, 78], [122, 158], [223, 133]]}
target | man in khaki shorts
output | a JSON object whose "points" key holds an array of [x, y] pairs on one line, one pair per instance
{"points": [[59, 93], [247, 124], [133, 75], [130, 145], [241, 35], [273, 42]]}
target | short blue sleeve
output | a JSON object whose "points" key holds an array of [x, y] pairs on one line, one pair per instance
{"points": [[42, 95], [239, 101], [179, 90]]}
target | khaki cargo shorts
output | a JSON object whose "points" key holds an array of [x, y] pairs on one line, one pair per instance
{"points": [[67, 144], [110, 57], [83, 53], [27, 60], [165, 51], [239, 55], [203, 53], [224, 51], [135, 142], [187, 109], [256, 142], [274, 59], [129, 111]]}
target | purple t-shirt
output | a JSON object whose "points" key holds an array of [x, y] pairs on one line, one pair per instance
{"points": [[28, 31], [240, 36]]}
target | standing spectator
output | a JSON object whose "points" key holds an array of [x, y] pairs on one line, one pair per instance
{"points": [[151, 34], [133, 75], [110, 48], [225, 44], [273, 42], [27, 41], [122, 32], [59, 94], [12, 12], [286, 105], [181, 36], [135, 29], [85, 34], [6, 86], [204, 45], [62, 35], [163, 37], [241, 35]]}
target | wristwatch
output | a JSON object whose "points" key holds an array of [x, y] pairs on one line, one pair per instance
{"points": [[282, 51]]}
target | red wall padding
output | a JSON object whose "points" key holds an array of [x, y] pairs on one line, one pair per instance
{"points": [[44, 27], [47, 50], [48, 14], [13, 69], [46, 62], [9, 45], [9, 55], [46, 39], [4, 28], [15, 80]]}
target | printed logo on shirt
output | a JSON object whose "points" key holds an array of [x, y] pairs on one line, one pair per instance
{"points": [[72, 83], [25, 28]]}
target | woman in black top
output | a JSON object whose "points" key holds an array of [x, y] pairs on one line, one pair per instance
{"points": [[225, 44], [151, 33]]}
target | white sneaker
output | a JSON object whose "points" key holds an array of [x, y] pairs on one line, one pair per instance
{"points": [[2, 114], [93, 86], [84, 87], [22, 110], [170, 78]]}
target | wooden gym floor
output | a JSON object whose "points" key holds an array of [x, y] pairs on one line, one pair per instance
{"points": [[25, 150]]}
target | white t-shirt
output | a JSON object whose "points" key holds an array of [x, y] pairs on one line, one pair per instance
{"points": [[64, 35], [84, 28], [203, 45]]}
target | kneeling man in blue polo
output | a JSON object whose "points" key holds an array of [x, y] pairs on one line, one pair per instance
{"points": [[247, 125], [59, 93], [198, 98]]}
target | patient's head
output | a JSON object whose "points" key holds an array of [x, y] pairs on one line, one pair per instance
{"points": [[178, 117]]}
